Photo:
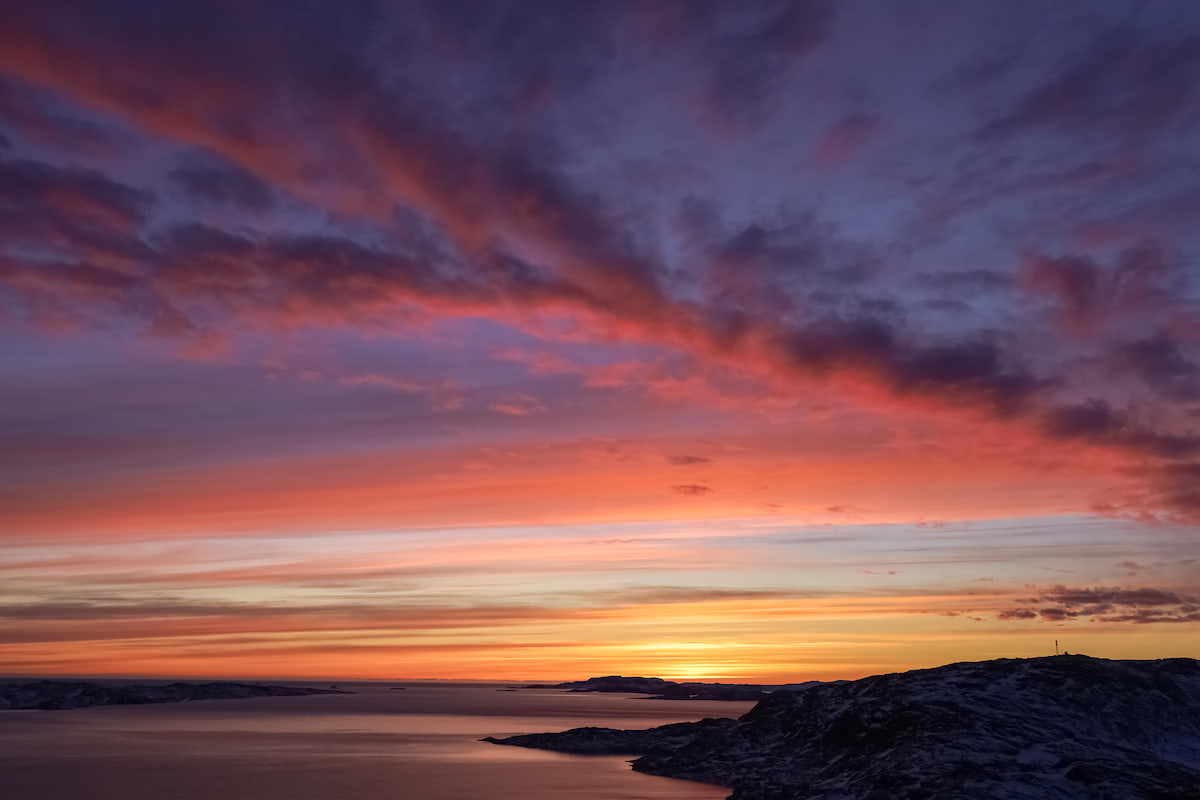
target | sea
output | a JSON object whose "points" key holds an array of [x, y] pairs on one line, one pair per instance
{"points": [[398, 741]]}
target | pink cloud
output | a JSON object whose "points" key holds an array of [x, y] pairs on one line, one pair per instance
{"points": [[844, 139]]}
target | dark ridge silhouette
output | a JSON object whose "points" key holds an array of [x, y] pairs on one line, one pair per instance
{"points": [[1065, 727]]}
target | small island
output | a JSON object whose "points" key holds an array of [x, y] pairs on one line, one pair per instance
{"points": [[660, 689], [50, 695]]}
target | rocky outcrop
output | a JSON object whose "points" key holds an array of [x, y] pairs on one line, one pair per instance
{"points": [[55, 695], [611, 742], [1057, 728]]}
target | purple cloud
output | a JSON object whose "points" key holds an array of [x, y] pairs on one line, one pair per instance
{"points": [[1108, 604]]}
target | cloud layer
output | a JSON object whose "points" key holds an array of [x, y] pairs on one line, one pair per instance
{"points": [[272, 271]]}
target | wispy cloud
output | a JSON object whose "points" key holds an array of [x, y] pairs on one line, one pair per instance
{"points": [[692, 489]]}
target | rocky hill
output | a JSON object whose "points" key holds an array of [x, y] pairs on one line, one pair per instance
{"points": [[1056, 728], [55, 695]]}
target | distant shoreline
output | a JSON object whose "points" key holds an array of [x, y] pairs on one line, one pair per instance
{"points": [[54, 695], [660, 689]]}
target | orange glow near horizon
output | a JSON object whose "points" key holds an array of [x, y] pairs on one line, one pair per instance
{"points": [[777, 640], [464, 360]]}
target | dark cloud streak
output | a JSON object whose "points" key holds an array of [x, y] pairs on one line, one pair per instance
{"points": [[1108, 604]]}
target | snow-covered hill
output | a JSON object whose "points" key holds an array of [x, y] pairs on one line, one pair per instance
{"points": [[1056, 728]]}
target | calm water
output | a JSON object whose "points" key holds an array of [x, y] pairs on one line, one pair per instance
{"points": [[418, 743]]}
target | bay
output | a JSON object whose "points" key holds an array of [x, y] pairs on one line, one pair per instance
{"points": [[394, 741]]}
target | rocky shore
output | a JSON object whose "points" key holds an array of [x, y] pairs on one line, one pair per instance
{"points": [[56, 695], [1055, 728], [612, 742]]}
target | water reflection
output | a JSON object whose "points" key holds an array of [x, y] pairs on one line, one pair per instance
{"points": [[419, 743]]}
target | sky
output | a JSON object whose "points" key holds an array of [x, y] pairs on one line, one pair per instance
{"points": [[537, 339]]}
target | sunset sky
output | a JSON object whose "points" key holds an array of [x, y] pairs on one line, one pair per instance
{"points": [[539, 339]]}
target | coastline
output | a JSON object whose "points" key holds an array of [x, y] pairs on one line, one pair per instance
{"points": [[52, 695]]}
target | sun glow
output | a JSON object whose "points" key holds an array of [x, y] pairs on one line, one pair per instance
{"points": [[698, 671]]}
